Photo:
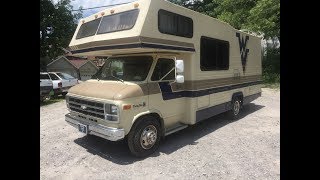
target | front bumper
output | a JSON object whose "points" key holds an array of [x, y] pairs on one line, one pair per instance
{"points": [[112, 134]]}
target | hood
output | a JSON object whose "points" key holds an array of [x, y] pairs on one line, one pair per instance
{"points": [[112, 90]]}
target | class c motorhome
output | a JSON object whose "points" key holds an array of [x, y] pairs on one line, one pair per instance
{"points": [[168, 67]]}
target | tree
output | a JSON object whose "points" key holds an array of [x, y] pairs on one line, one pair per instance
{"points": [[57, 25], [265, 18], [203, 6], [235, 13], [261, 16]]}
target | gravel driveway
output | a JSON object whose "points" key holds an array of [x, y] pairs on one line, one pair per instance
{"points": [[217, 148]]}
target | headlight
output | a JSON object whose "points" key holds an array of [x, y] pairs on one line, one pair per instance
{"points": [[114, 109], [111, 112]]}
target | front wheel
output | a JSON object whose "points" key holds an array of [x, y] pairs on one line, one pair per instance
{"points": [[144, 137]]}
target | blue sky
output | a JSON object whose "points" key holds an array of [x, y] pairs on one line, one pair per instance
{"points": [[93, 3]]}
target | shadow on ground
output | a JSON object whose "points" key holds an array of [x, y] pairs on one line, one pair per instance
{"points": [[119, 153]]}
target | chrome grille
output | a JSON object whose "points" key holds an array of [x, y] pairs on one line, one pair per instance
{"points": [[92, 108]]}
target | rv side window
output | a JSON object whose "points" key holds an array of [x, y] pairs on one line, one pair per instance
{"points": [[175, 24], [165, 70], [214, 54]]}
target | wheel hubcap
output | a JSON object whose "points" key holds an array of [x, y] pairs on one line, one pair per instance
{"points": [[236, 107], [148, 137]]}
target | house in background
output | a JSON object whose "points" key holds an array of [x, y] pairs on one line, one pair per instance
{"points": [[80, 68]]}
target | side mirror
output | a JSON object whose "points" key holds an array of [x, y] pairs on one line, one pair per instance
{"points": [[179, 71], [180, 79], [179, 66]]}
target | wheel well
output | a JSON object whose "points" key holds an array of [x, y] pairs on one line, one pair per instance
{"points": [[238, 95], [157, 117]]}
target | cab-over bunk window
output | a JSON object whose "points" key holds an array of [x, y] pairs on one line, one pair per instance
{"points": [[88, 29], [110, 23], [175, 24], [118, 22]]}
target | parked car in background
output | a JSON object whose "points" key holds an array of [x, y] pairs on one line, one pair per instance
{"points": [[46, 86], [62, 82]]}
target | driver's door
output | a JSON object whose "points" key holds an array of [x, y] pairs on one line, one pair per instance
{"points": [[162, 98]]}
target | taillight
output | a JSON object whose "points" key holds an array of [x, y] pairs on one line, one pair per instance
{"points": [[60, 84]]}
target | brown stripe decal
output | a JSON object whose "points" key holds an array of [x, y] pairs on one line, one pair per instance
{"points": [[213, 83], [153, 87], [128, 40], [166, 42]]}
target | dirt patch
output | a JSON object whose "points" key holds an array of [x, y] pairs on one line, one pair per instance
{"points": [[217, 148]]}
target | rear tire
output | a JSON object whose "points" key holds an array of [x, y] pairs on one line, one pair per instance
{"points": [[144, 136], [236, 106]]}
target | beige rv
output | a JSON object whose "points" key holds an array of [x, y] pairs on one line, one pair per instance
{"points": [[168, 67]]}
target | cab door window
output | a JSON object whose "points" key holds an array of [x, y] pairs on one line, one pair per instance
{"points": [[164, 70]]}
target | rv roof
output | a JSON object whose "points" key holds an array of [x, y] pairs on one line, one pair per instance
{"points": [[136, 27]]}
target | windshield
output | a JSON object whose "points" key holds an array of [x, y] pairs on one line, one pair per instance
{"points": [[134, 68], [53, 76], [44, 76], [65, 76]]}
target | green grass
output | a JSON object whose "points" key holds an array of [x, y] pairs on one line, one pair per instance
{"points": [[271, 80], [52, 100], [272, 85]]}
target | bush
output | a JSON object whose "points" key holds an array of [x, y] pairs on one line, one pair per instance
{"points": [[271, 66]]}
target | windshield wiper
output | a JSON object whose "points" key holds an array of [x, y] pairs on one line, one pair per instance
{"points": [[116, 78]]}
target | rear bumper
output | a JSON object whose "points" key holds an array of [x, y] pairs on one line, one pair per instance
{"points": [[61, 90], [45, 90], [44, 93], [112, 134]]}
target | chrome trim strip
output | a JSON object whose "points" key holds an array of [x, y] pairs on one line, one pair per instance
{"points": [[176, 129], [95, 107], [87, 98]]}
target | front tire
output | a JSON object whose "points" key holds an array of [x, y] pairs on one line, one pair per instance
{"points": [[144, 137]]}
